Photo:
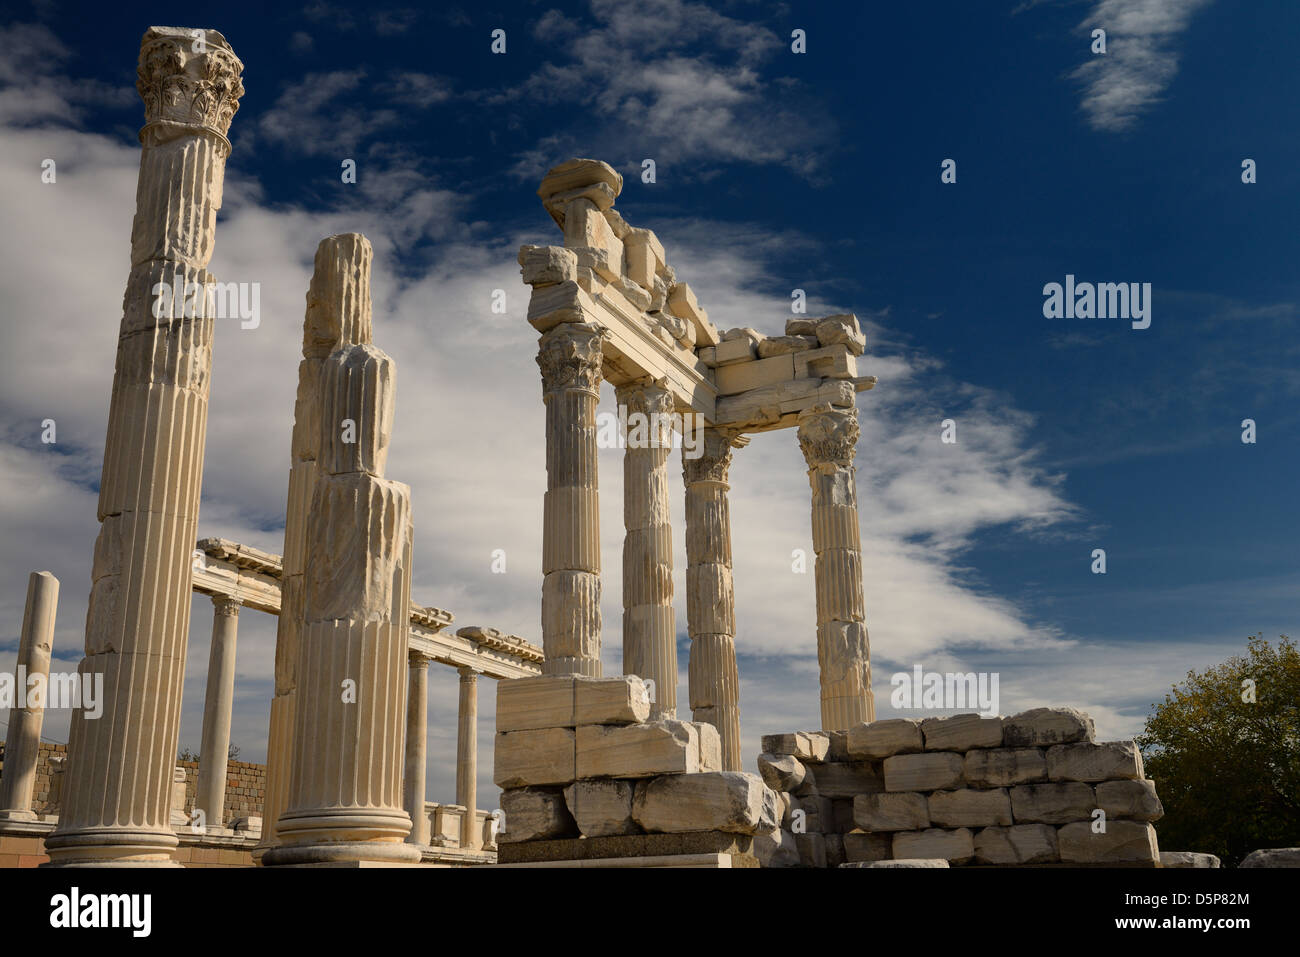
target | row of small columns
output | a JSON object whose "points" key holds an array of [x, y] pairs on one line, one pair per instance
{"points": [[417, 741], [570, 358]]}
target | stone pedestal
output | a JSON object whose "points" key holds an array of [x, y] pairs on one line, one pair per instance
{"points": [[710, 603], [570, 360], [214, 752], [338, 311], [828, 437], [23, 737], [417, 747], [467, 759], [649, 625], [345, 789], [115, 808]]}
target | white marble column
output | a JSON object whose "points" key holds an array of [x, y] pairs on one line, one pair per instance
{"points": [[467, 759], [417, 747], [570, 360], [828, 437], [338, 311], [345, 788], [214, 752], [116, 804], [23, 737], [649, 623], [714, 686]]}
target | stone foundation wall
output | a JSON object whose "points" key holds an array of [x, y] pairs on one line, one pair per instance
{"points": [[245, 783], [1032, 789], [586, 776]]}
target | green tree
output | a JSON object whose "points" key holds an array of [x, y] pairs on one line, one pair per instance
{"points": [[1224, 751]]}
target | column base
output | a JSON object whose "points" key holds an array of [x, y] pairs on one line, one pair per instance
{"points": [[18, 817], [111, 847], [347, 835], [342, 854]]}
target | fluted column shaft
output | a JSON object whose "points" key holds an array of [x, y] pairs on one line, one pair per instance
{"points": [[338, 311], [117, 788], [467, 759], [649, 625], [417, 747], [714, 684], [214, 752], [570, 360], [345, 803], [828, 437], [23, 737]]}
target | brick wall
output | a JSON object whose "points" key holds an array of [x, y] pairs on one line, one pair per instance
{"points": [[245, 783]]}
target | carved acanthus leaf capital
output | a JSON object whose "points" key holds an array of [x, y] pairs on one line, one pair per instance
{"points": [[828, 436], [570, 357], [225, 606], [712, 456], [189, 81]]}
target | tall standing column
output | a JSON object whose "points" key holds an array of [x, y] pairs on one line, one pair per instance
{"points": [[417, 747], [214, 752], [23, 738], [118, 784], [828, 437], [570, 359], [338, 309], [345, 787], [710, 602], [649, 624], [467, 759]]}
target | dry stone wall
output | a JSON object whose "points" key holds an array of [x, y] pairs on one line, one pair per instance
{"points": [[1036, 788], [245, 783], [585, 773]]}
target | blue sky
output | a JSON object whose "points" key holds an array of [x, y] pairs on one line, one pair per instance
{"points": [[775, 171]]}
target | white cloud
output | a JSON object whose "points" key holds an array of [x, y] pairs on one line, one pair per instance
{"points": [[1140, 60], [638, 74], [469, 437]]}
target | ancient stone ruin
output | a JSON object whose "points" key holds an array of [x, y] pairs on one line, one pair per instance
{"points": [[596, 771]]}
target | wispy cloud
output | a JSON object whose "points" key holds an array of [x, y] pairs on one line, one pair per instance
{"points": [[683, 82], [1141, 58]]}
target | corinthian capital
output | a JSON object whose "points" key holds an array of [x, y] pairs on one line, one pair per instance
{"points": [[713, 459], [189, 81], [828, 436], [570, 357]]}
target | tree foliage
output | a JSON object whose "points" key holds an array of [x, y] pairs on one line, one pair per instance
{"points": [[1224, 751]]}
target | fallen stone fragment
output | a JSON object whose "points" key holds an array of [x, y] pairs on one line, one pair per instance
{"points": [[970, 808], [1045, 726], [710, 801], [891, 812], [1094, 762], [1131, 799], [1019, 844], [533, 814], [601, 806], [961, 732], [883, 739], [1052, 803], [1123, 842], [1004, 767], [931, 771]]}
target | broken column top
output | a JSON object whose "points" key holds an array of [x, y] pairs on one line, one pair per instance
{"points": [[338, 299], [189, 81], [595, 180]]}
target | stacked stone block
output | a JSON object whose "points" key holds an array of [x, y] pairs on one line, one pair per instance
{"points": [[1031, 789], [586, 774]]}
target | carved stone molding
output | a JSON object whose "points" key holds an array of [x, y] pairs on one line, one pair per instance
{"points": [[226, 606], [713, 464], [828, 436], [189, 81], [570, 357]]}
